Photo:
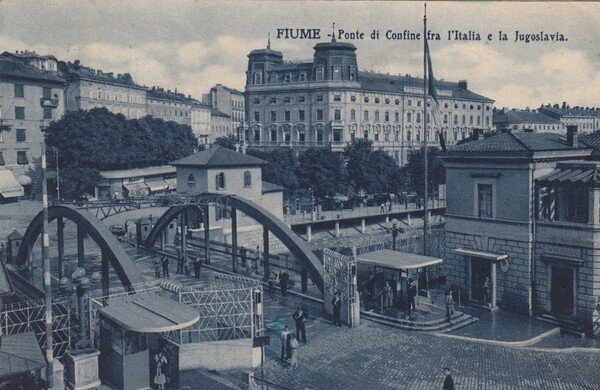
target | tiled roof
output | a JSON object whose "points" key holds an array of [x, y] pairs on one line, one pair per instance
{"points": [[395, 84], [12, 68], [523, 116], [215, 112], [592, 140], [231, 90], [155, 93], [85, 73], [218, 156], [271, 187], [516, 142], [570, 111]]}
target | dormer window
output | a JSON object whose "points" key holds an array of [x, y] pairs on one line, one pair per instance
{"points": [[337, 98], [287, 78], [258, 78], [337, 73], [352, 73], [302, 76], [319, 73]]}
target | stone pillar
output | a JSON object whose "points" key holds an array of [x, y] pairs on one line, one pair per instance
{"points": [[337, 229], [266, 261], [206, 235], [309, 233], [594, 206], [81, 369], [363, 227], [60, 224], [80, 247], [234, 240]]}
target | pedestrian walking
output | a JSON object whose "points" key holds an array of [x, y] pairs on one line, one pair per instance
{"points": [[157, 268], [179, 265], [449, 305], [197, 264], [283, 279], [336, 302], [159, 378], [382, 208], [412, 293], [294, 351], [300, 316], [387, 296], [448, 381], [186, 265], [126, 226], [284, 341], [165, 267]]}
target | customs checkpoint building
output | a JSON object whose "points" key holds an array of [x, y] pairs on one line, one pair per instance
{"points": [[328, 102]]}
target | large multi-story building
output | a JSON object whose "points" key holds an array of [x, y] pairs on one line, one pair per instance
{"points": [[89, 88], [527, 119], [532, 250], [201, 123], [31, 96], [328, 102], [587, 119], [229, 101], [220, 124]]}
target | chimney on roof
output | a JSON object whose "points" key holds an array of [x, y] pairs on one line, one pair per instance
{"points": [[564, 105], [556, 106], [462, 84], [572, 138]]}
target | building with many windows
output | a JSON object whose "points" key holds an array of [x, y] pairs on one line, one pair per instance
{"points": [[201, 123], [90, 88], [328, 102], [533, 250], [587, 119], [526, 120], [220, 124], [31, 96], [229, 101]]}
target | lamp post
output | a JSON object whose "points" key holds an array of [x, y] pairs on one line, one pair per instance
{"points": [[395, 231], [79, 283]]}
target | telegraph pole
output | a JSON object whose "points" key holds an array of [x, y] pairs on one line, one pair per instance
{"points": [[47, 276]]}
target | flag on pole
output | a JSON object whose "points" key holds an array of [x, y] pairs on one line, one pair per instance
{"points": [[432, 91]]}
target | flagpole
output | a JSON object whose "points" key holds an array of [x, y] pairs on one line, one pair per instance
{"points": [[425, 137]]}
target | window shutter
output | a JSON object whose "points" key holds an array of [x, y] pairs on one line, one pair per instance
{"points": [[217, 181]]}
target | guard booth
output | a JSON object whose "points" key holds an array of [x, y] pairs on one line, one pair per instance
{"points": [[142, 230], [13, 242], [396, 268], [131, 342]]}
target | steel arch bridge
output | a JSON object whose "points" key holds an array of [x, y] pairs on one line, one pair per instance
{"points": [[113, 252], [298, 247]]}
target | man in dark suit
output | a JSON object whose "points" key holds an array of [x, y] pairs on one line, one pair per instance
{"points": [[300, 316], [412, 293], [336, 302], [448, 381]]}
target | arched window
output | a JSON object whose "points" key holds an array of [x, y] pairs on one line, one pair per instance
{"points": [[464, 120], [418, 117], [408, 135], [247, 179], [418, 135], [191, 179], [408, 117], [220, 181]]}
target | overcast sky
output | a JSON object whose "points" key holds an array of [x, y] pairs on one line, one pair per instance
{"points": [[193, 45]]}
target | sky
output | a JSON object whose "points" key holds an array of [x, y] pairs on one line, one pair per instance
{"points": [[193, 45]]}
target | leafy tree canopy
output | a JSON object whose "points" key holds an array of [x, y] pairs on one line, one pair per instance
{"points": [[230, 141], [371, 170], [96, 140], [413, 170], [282, 166], [323, 171]]}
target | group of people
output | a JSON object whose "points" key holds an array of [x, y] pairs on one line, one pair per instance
{"points": [[162, 264], [280, 277], [290, 341]]}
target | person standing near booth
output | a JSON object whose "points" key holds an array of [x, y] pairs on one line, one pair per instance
{"points": [[412, 293], [197, 265], [300, 318], [165, 267], [157, 268], [284, 340], [160, 379], [336, 302]]}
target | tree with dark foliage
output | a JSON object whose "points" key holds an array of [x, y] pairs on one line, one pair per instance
{"points": [[92, 141], [413, 170], [323, 171], [230, 141], [373, 171]]}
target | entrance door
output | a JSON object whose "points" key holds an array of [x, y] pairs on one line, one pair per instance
{"points": [[562, 291], [480, 270]]}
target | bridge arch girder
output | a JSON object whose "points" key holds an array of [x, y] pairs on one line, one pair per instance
{"points": [[99, 232], [163, 222]]}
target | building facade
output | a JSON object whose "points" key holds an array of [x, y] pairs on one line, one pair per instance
{"points": [[31, 96], [201, 123], [526, 120], [137, 182], [89, 88], [220, 124], [523, 223], [328, 102], [587, 119], [229, 101]]}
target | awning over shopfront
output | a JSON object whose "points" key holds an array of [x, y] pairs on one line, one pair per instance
{"points": [[20, 353], [136, 189], [150, 314], [156, 185], [9, 186], [398, 260], [24, 180], [481, 254], [172, 183]]}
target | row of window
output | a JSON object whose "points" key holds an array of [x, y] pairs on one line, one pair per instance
{"points": [[19, 91], [220, 181], [22, 158], [20, 113], [319, 75], [116, 96], [169, 113]]}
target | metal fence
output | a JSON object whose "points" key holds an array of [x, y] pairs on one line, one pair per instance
{"points": [[29, 316]]}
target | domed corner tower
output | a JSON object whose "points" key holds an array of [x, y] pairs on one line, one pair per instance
{"points": [[335, 61], [260, 61]]}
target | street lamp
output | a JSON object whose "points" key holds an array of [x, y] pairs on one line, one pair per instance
{"points": [[79, 283], [395, 231]]}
